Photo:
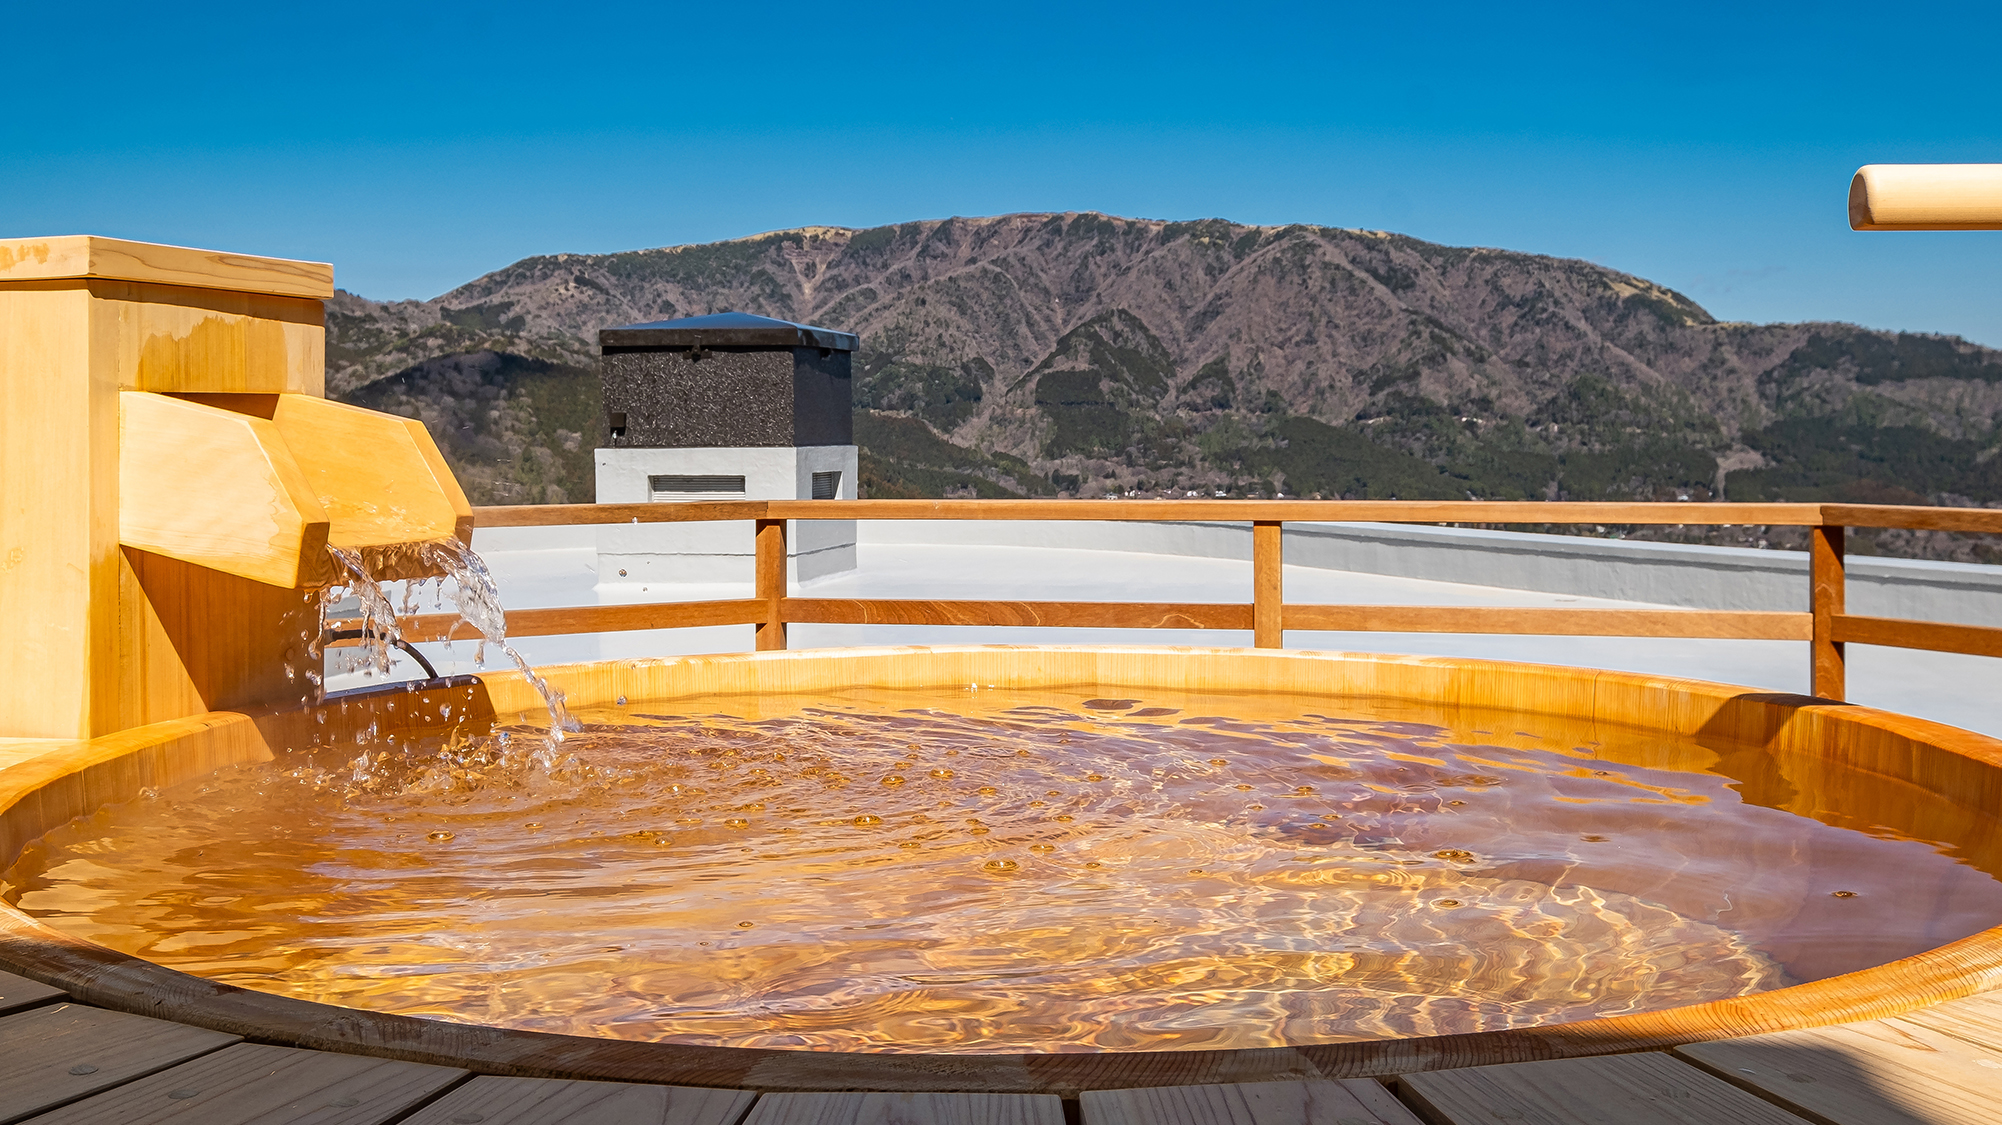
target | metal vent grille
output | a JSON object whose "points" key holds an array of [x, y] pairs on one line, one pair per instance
{"points": [[682, 484], [827, 486]]}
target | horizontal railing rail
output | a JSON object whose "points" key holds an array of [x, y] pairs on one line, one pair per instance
{"points": [[1825, 625]]}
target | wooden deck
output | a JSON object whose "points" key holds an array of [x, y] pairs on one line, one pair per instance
{"points": [[63, 1063]]}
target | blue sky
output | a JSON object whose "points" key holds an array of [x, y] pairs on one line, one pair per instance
{"points": [[417, 146]]}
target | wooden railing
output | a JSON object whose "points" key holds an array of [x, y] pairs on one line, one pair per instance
{"points": [[1825, 625]]}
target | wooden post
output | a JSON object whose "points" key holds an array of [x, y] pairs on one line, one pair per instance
{"points": [[1825, 599], [1267, 584], [771, 579]]}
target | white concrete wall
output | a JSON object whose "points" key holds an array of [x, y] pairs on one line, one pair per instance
{"points": [[721, 552], [1659, 573]]}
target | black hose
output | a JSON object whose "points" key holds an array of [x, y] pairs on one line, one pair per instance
{"points": [[357, 634]]}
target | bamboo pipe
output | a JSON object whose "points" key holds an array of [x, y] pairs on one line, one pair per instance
{"points": [[1926, 197]]}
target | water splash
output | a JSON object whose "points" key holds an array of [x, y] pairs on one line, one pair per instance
{"points": [[477, 599], [380, 631]]}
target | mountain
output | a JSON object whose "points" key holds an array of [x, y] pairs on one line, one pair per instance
{"points": [[1079, 354]]}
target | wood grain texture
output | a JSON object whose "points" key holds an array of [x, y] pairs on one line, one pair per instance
{"points": [[58, 516], [770, 576], [1328, 511], [215, 488], [1975, 640], [1812, 735], [549, 1101], [1268, 589], [906, 1109], [587, 619], [1546, 621], [258, 1084], [53, 1055], [17, 993], [1926, 197], [1977, 520], [1884, 1072], [1827, 597], [78, 256], [1976, 1019], [1248, 1103], [1097, 615], [1639, 1089], [380, 478], [174, 340], [563, 515], [1316, 511]]}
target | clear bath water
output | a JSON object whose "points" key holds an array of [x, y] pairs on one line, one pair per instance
{"points": [[1000, 871]]}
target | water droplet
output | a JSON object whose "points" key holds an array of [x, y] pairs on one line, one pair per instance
{"points": [[941, 774], [622, 574], [978, 831], [1241, 788], [1448, 902], [987, 790], [439, 836], [1001, 865], [893, 780], [1195, 871], [744, 925], [1219, 761], [533, 824], [1094, 863], [1094, 777], [736, 822], [1457, 855], [621, 701], [1593, 839], [909, 844], [867, 821], [1065, 818], [1456, 802], [1303, 789], [1042, 847], [83, 1068], [1021, 753], [1843, 894], [915, 746]]}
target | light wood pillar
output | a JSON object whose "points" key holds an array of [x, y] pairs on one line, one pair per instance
{"points": [[771, 584], [1827, 593], [1268, 592], [87, 644]]}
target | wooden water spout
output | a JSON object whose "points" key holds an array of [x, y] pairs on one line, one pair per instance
{"points": [[1926, 197], [170, 477]]}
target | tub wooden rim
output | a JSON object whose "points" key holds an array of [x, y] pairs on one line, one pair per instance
{"points": [[43, 791]]}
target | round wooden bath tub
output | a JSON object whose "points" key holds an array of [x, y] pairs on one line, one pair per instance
{"points": [[1918, 762]]}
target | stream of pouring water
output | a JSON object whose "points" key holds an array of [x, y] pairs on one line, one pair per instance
{"points": [[475, 597]]}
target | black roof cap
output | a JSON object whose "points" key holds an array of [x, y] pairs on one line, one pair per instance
{"points": [[724, 330]]}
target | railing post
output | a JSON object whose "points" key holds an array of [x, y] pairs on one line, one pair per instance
{"points": [[1826, 595], [771, 583], [1267, 584]]}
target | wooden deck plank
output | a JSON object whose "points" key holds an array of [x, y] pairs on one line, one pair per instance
{"points": [[1312, 1102], [17, 993], [1883, 1072], [53, 1055], [1640, 1089], [1977, 1019], [907, 1109], [488, 1100], [256, 1082]]}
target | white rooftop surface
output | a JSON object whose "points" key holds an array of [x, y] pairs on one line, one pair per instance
{"points": [[1958, 690]]}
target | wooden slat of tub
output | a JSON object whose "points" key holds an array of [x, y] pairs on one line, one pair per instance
{"points": [[256, 1082], [1640, 1089], [1977, 1019], [17, 993], [550, 1101], [1883, 1072], [1356, 1101], [53, 1055], [907, 1109]]}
